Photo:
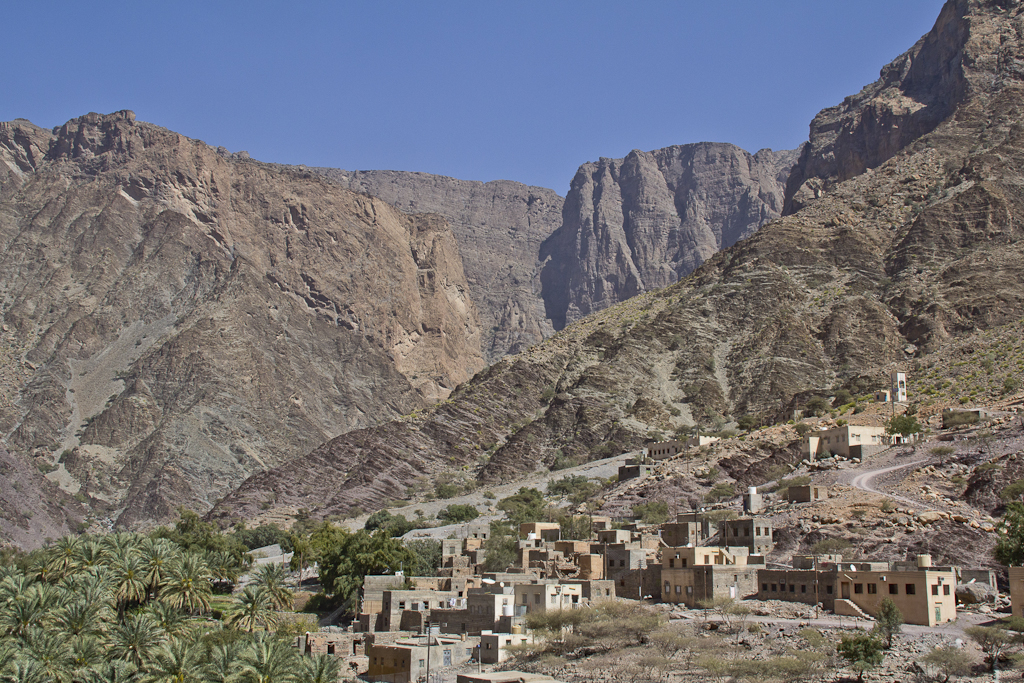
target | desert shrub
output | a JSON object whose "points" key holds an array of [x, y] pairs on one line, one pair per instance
{"points": [[720, 491], [950, 661], [747, 422], [651, 512], [941, 451], [802, 428], [458, 513], [842, 397], [830, 546], [1013, 492], [816, 406]]}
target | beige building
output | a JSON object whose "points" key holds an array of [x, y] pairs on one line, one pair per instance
{"points": [[542, 597], [493, 646], [692, 574], [406, 661], [840, 440], [925, 595], [807, 494]]}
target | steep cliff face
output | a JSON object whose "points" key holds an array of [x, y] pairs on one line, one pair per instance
{"points": [[180, 319], [964, 54], [635, 224], [884, 270], [499, 226]]}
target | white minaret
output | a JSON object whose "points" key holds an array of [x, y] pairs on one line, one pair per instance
{"points": [[899, 387]]}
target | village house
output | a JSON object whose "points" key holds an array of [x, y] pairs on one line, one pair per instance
{"points": [[856, 441], [923, 593], [493, 646], [544, 596], [407, 660], [753, 533], [635, 469], [808, 493]]}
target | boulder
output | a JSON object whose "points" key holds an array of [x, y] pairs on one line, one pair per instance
{"points": [[974, 593]]}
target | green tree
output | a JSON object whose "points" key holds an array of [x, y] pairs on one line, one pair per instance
{"points": [[863, 652], [888, 621], [992, 640], [501, 548], [135, 639], [321, 669], [253, 608], [395, 525], [271, 578], [345, 557], [817, 406], [1009, 548], [527, 505], [950, 661], [720, 491], [902, 424], [269, 660], [176, 661], [575, 527], [455, 513], [427, 556], [188, 584], [651, 512]]}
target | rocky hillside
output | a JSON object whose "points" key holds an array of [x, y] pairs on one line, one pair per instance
{"points": [[499, 226], [176, 318], [883, 269], [640, 223]]}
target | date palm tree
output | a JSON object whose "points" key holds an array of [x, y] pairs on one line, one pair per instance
{"points": [[253, 608], [50, 650], [188, 584], [128, 576], [135, 639], [224, 661], [320, 669], [169, 618], [269, 660], [158, 555], [80, 618], [63, 556], [271, 578], [176, 661], [88, 654]]}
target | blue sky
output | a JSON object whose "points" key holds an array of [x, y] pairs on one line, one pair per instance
{"points": [[478, 90]]}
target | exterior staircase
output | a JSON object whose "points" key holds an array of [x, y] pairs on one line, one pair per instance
{"points": [[847, 608]]}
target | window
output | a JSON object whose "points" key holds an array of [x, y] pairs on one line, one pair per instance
{"points": [[401, 605], [746, 531], [423, 662], [894, 589], [792, 588], [671, 563], [536, 598], [689, 590], [757, 531], [622, 563], [911, 589], [764, 587], [803, 587], [668, 587], [945, 589], [679, 589], [828, 590], [935, 589], [775, 588], [707, 559], [735, 532], [684, 561], [858, 588], [872, 589]]}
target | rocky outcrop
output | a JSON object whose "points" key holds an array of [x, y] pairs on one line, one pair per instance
{"points": [[635, 224], [918, 90], [181, 318], [499, 225]]}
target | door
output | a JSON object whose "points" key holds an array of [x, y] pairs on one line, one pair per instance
{"points": [[447, 658], [845, 587]]}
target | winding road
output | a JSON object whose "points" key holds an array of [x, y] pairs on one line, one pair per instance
{"points": [[866, 480]]}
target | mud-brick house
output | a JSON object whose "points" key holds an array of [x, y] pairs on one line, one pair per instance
{"points": [[847, 440], [923, 593], [690, 575]]}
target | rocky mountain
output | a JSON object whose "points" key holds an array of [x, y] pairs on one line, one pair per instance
{"points": [[640, 223], [499, 226], [918, 249], [176, 318]]}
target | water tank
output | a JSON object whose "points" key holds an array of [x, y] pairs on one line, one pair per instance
{"points": [[752, 490], [507, 610], [517, 629], [531, 536], [924, 561]]}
